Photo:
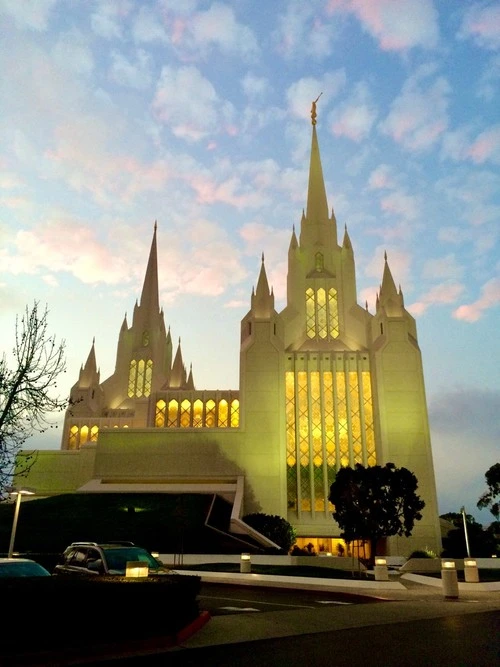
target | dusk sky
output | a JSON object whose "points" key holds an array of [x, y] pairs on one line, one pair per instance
{"points": [[117, 113]]}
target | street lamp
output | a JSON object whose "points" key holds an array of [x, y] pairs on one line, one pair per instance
{"points": [[23, 491], [462, 510]]}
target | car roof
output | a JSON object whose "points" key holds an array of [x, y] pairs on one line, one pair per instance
{"points": [[17, 560], [110, 543]]}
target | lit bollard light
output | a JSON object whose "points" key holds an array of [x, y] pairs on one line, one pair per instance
{"points": [[380, 569], [245, 564], [449, 579], [471, 573]]}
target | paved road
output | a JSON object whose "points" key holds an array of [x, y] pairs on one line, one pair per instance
{"points": [[223, 599], [470, 640]]}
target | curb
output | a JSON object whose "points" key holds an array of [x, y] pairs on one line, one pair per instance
{"points": [[193, 627]]}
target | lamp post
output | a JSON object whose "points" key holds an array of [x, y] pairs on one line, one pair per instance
{"points": [[465, 531], [24, 491]]}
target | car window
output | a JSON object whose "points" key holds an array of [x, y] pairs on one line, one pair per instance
{"points": [[117, 558], [23, 569], [78, 557]]}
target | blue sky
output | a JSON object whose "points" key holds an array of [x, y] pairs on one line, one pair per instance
{"points": [[117, 113]]}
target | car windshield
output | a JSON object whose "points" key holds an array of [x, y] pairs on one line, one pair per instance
{"points": [[117, 558], [22, 569]]}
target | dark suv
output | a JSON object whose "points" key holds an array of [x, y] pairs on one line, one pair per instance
{"points": [[108, 558]]}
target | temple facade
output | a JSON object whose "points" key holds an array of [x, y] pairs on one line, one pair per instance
{"points": [[323, 384]]}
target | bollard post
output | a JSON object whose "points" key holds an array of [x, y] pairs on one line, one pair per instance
{"points": [[471, 573], [245, 564], [449, 579], [380, 569]]}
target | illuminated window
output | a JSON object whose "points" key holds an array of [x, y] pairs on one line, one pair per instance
{"points": [[235, 413], [84, 435], [329, 423], [173, 412], [73, 438], [132, 374], [210, 413], [161, 408], [185, 420], [139, 378], [322, 317], [223, 413], [198, 413], [94, 432]]}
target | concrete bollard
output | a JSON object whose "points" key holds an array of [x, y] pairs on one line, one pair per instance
{"points": [[449, 579], [471, 573], [380, 569], [245, 564]]}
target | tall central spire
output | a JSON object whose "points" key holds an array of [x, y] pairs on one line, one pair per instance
{"points": [[317, 205], [149, 297]]}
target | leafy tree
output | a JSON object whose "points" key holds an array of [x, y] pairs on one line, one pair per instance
{"points": [[273, 527], [25, 389], [491, 498], [375, 502]]}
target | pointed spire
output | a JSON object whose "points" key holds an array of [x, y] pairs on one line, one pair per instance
{"points": [[262, 302], [390, 300], [89, 375], [347, 241], [317, 205], [293, 241], [190, 381], [178, 375], [149, 296]]}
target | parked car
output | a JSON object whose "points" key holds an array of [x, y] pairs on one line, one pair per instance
{"points": [[109, 558], [21, 567]]}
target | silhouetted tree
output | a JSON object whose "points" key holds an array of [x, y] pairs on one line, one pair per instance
{"points": [[491, 498], [25, 389], [375, 502], [274, 527]]}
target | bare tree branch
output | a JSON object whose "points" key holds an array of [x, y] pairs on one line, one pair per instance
{"points": [[25, 389]]}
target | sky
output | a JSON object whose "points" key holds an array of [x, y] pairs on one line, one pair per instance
{"points": [[196, 114]]}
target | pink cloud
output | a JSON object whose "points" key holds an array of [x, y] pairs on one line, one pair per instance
{"points": [[398, 25], [381, 178], [490, 297], [486, 146], [439, 294], [482, 23]]}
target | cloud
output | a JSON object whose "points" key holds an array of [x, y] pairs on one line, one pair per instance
{"points": [[305, 30], [442, 267], [490, 297], [64, 245], [481, 23], [444, 293], [107, 20], [31, 14], [131, 74], [401, 204], [355, 117], [397, 26], [147, 27], [419, 115], [381, 178], [195, 33], [486, 146], [488, 84], [188, 103], [255, 86]]}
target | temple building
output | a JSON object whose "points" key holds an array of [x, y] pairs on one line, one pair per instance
{"points": [[322, 384]]}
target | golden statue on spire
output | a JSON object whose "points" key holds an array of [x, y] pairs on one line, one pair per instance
{"points": [[313, 109]]}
